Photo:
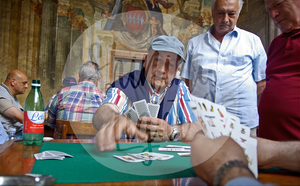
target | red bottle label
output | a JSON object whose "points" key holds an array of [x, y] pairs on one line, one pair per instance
{"points": [[34, 122]]}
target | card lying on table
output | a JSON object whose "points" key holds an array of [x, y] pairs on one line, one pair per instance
{"points": [[174, 149], [129, 159], [51, 155], [143, 156]]}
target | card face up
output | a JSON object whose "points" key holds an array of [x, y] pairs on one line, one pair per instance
{"points": [[144, 156], [129, 159], [216, 122]]}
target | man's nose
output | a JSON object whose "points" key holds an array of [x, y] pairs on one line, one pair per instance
{"points": [[226, 18], [273, 13], [162, 67]]}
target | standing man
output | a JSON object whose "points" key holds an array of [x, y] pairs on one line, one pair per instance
{"points": [[78, 102], [279, 107], [11, 112], [226, 65], [156, 83]]}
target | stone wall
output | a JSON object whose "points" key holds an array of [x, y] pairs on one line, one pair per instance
{"points": [[255, 18]]}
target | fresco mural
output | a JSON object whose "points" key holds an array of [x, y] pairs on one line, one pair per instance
{"points": [[50, 39], [135, 22]]}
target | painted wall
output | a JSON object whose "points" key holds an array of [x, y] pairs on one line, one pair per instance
{"points": [[50, 39]]}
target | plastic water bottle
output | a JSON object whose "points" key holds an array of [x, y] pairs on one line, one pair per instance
{"points": [[12, 133], [33, 129]]}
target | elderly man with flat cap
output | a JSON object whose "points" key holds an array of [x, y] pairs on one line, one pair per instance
{"points": [[156, 83], [11, 111]]}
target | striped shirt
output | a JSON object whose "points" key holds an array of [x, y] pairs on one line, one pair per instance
{"points": [[75, 103], [180, 112]]}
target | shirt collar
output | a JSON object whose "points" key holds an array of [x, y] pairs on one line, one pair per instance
{"points": [[234, 32], [86, 82], [6, 88], [153, 91], [292, 33]]}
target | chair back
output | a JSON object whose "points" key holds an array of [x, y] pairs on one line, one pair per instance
{"points": [[75, 127]]}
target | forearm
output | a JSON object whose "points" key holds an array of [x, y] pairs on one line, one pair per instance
{"points": [[188, 130], [275, 154], [260, 87], [105, 114], [14, 113]]}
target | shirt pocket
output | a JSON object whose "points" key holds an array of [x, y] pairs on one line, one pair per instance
{"points": [[240, 65]]}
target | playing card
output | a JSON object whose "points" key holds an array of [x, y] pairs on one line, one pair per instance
{"points": [[184, 154], [221, 113], [206, 105], [196, 108], [177, 146], [142, 108], [250, 151], [214, 128], [56, 155], [153, 108], [159, 156], [132, 115], [231, 122], [129, 159], [240, 133], [174, 149], [144, 156]]}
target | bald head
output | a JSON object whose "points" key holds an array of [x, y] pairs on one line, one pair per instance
{"points": [[14, 74], [16, 81]]}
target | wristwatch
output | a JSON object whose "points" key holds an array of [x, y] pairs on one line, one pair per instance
{"points": [[175, 134]]}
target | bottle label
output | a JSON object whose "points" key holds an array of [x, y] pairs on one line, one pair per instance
{"points": [[34, 122]]}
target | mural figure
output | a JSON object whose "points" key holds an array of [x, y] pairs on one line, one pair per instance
{"points": [[135, 22], [155, 25]]}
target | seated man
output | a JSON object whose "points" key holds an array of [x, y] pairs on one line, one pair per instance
{"points": [[156, 83], [11, 112], [78, 102], [67, 82]]}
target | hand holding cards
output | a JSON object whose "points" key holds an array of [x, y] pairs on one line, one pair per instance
{"points": [[217, 122]]}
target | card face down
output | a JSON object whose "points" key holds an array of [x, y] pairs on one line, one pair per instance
{"points": [[142, 108], [153, 108], [132, 115]]}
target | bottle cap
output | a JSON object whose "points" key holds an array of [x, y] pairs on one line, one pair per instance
{"points": [[36, 83]]}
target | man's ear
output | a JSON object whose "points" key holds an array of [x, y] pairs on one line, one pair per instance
{"points": [[78, 78], [98, 82], [13, 82]]}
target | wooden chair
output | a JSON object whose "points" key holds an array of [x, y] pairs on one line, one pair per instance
{"points": [[75, 127]]}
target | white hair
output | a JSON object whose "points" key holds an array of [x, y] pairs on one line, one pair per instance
{"points": [[89, 71], [241, 2]]}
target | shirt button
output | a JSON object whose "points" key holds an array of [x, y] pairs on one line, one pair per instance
{"points": [[218, 88]]}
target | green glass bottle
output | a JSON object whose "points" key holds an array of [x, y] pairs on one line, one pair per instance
{"points": [[34, 113]]}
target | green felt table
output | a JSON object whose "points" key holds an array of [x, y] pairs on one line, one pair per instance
{"points": [[90, 166]]}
